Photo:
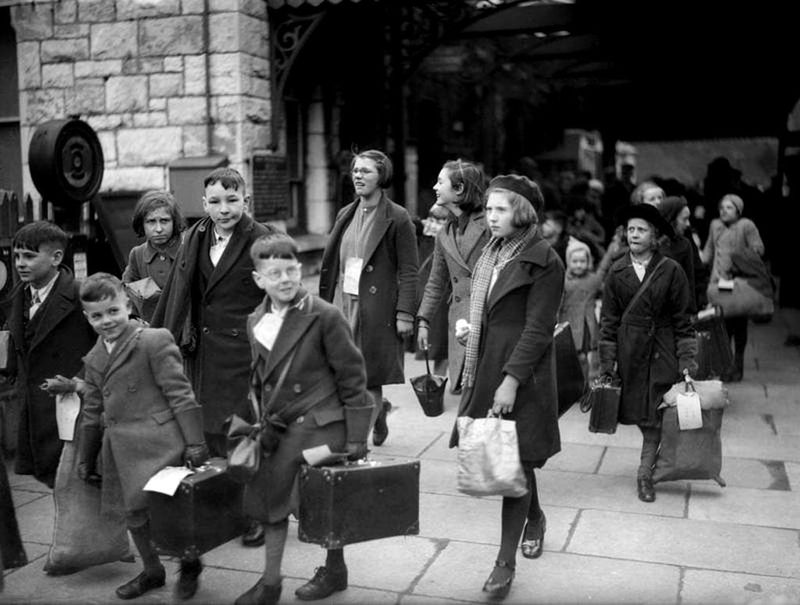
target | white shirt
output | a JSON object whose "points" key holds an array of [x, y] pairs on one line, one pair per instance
{"points": [[218, 247], [640, 267], [38, 295]]}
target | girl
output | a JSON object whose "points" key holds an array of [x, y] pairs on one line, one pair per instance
{"points": [[158, 219]]}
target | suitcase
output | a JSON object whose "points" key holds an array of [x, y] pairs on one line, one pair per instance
{"points": [[205, 511], [569, 374], [601, 400], [356, 502], [714, 356]]}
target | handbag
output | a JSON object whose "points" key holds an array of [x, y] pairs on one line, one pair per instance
{"points": [[429, 389], [602, 400], [488, 457], [244, 439]]}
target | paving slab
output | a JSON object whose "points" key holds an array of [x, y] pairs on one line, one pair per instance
{"points": [[767, 508], [701, 544], [461, 569], [36, 520], [702, 587], [577, 458]]}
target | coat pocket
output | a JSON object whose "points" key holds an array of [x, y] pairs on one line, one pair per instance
{"points": [[163, 416], [327, 415]]}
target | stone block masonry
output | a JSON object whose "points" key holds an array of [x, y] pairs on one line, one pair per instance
{"points": [[147, 78]]}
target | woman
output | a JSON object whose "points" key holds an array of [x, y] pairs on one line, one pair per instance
{"points": [[509, 360], [303, 347], [369, 270], [649, 344], [675, 211], [459, 189], [728, 236]]}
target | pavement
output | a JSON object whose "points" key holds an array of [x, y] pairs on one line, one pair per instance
{"points": [[697, 543]]}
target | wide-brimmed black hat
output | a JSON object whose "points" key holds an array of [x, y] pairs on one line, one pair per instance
{"points": [[648, 213]]}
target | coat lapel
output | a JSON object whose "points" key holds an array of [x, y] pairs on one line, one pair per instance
{"points": [[512, 277], [295, 324], [472, 235], [123, 348], [59, 304], [235, 248], [381, 225]]}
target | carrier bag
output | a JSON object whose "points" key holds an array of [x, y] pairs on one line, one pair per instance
{"points": [[569, 374]]}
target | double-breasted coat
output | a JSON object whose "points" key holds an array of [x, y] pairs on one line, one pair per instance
{"points": [[206, 309], [386, 288], [454, 258], [142, 399], [654, 344], [326, 375], [517, 339], [51, 343]]}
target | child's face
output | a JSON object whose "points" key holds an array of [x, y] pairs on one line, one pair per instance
{"points": [[224, 206], [578, 263], [551, 228], [37, 267], [641, 236], [653, 196], [108, 317], [365, 177], [158, 226], [445, 192], [279, 278]]}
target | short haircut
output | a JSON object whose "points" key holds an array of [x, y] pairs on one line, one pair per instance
{"points": [[470, 175], [100, 286], [229, 178], [153, 200], [33, 235], [276, 245], [382, 162], [524, 212], [637, 196]]}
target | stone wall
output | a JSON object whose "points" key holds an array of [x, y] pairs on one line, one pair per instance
{"points": [[138, 73]]}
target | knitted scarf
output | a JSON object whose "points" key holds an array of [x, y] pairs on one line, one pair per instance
{"points": [[497, 253]]}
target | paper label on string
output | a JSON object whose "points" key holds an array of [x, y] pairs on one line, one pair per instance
{"points": [[322, 455], [68, 405], [167, 480], [726, 284], [352, 274], [690, 415], [267, 328]]}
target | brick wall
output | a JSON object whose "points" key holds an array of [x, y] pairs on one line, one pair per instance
{"points": [[135, 70]]}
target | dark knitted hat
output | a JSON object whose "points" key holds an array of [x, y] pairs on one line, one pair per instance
{"points": [[521, 185], [648, 213], [671, 207]]}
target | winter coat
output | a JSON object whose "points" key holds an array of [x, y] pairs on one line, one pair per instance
{"points": [[12, 552], [449, 265], [679, 249], [146, 261], [578, 304], [53, 342], [517, 339], [141, 397], [654, 344], [206, 310], [326, 374], [387, 285], [723, 240]]}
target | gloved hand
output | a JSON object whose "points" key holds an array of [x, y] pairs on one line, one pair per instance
{"points": [[87, 473], [59, 385], [90, 442], [356, 450], [196, 454]]}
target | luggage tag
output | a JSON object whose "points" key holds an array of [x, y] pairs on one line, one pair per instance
{"points": [[726, 284], [267, 328], [352, 275], [690, 414], [322, 455]]}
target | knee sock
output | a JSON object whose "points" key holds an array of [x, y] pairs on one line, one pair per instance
{"points": [[650, 439], [515, 510], [534, 508], [334, 560], [274, 543], [377, 398], [146, 548]]}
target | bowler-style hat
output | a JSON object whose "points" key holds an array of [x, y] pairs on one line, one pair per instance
{"points": [[648, 213]]}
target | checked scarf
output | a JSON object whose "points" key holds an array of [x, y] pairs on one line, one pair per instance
{"points": [[497, 253]]}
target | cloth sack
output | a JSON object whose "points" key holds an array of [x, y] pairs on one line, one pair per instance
{"points": [[429, 389], [693, 454], [743, 301], [244, 448], [488, 457], [712, 393], [82, 534], [602, 401]]}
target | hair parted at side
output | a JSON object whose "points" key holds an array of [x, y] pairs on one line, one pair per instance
{"points": [[100, 286], [382, 162], [229, 178], [33, 235], [153, 200], [274, 245], [468, 175]]}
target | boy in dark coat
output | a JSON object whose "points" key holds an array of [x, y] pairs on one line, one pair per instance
{"points": [[205, 304], [49, 334]]}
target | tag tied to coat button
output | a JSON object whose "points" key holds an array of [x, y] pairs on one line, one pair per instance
{"points": [[352, 275]]}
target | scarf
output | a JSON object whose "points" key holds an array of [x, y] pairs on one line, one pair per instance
{"points": [[496, 254]]}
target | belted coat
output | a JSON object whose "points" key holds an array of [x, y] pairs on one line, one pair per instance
{"points": [[454, 258], [517, 339], [386, 288]]}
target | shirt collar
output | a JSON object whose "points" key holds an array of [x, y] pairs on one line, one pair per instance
{"points": [[220, 239], [44, 291], [171, 250]]}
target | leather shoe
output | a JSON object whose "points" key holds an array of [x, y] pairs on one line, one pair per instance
{"points": [[324, 583], [254, 536], [499, 581], [533, 538], [147, 580], [644, 485], [188, 579], [260, 594], [381, 430]]}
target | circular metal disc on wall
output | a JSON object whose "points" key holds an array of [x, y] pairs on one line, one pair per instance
{"points": [[66, 161]]}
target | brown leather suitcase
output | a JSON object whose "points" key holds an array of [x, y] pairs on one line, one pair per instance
{"points": [[205, 512], [357, 502]]}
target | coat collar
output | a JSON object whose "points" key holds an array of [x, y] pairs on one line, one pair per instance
{"points": [[104, 362], [382, 222], [472, 236], [61, 301], [536, 252], [236, 246], [625, 272], [150, 251]]}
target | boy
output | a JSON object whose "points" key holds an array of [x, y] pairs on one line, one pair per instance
{"points": [[205, 304], [139, 408], [50, 336]]}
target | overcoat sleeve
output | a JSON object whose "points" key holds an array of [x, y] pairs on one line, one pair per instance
{"points": [[437, 282], [92, 400], [681, 298], [610, 317], [407, 266]]}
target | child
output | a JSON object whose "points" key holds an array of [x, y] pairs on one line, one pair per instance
{"points": [[50, 335], [139, 409], [205, 304], [582, 286], [158, 219], [321, 401]]}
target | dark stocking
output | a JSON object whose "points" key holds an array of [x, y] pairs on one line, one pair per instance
{"points": [[334, 560], [650, 439], [515, 511]]}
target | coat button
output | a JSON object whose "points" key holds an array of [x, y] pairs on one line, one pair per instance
{"points": [[656, 355], [267, 388], [297, 388], [373, 289], [205, 330], [458, 299], [455, 280], [235, 332], [369, 268], [300, 419]]}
